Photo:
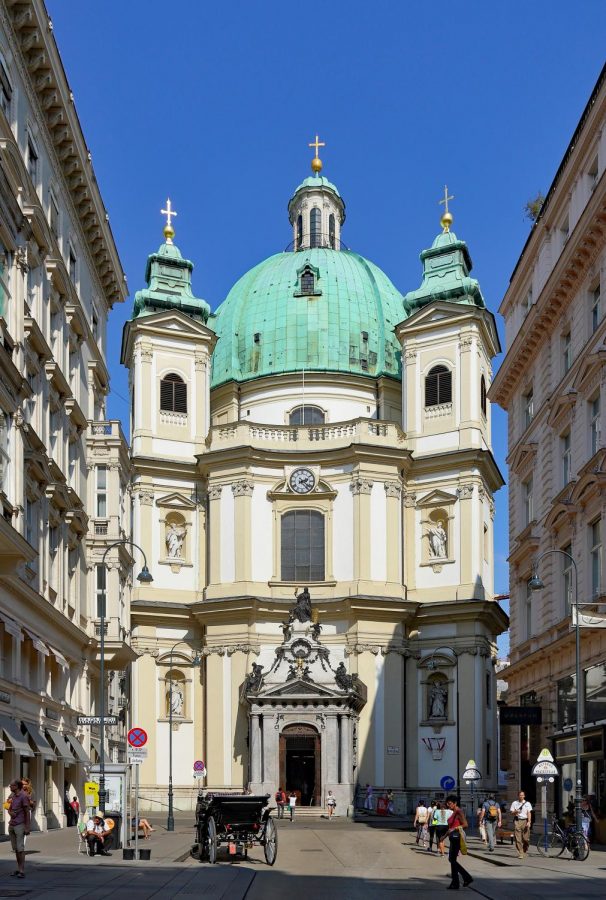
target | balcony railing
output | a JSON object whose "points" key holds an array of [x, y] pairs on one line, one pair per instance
{"points": [[298, 437], [311, 241]]}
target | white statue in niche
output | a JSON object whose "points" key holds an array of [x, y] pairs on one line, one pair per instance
{"points": [[175, 536], [437, 541], [175, 700], [438, 698]]}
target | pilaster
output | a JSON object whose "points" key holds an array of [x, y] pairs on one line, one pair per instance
{"points": [[361, 489], [243, 491]]}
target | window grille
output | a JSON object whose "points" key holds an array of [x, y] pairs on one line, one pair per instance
{"points": [[308, 282], [302, 551]]}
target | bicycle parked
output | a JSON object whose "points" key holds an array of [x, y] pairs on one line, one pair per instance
{"points": [[559, 839]]}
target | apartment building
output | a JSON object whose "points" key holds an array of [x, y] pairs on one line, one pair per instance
{"points": [[59, 277], [551, 383]]}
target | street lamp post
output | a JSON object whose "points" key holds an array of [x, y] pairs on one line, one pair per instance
{"points": [[170, 822], [144, 577], [536, 584]]}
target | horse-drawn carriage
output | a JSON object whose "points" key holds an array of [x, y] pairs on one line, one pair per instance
{"points": [[238, 821]]}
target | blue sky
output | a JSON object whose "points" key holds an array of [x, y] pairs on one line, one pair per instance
{"points": [[214, 105]]}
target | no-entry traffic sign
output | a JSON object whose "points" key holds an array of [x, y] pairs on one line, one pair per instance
{"points": [[137, 737]]}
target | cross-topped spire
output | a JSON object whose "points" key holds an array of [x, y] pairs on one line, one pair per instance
{"points": [[446, 220], [169, 231], [316, 163]]}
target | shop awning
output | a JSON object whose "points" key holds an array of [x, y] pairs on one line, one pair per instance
{"points": [[16, 739], [43, 748], [96, 745], [78, 749], [59, 657], [62, 745]]}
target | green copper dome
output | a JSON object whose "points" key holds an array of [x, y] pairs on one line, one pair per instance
{"points": [[315, 310], [446, 268]]}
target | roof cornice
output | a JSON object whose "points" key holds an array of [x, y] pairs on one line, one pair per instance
{"points": [[42, 69]]}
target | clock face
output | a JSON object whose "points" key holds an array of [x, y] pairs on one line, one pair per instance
{"points": [[302, 481]]}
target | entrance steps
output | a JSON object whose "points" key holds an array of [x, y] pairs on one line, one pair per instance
{"points": [[305, 812]]}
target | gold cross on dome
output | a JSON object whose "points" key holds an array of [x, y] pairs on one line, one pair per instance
{"points": [[169, 213], [446, 198], [317, 144]]}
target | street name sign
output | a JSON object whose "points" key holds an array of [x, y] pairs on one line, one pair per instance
{"points": [[96, 720]]}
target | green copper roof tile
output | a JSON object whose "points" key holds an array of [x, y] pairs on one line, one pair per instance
{"points": [[446, 268], [168, 278]]}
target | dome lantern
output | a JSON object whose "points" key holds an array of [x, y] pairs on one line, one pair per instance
{"points": [[316, 211]]}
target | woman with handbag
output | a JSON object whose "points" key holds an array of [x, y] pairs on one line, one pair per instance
{"points": [[456, 823]]}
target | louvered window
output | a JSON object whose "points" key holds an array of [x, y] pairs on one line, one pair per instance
{"points": [[299, 232], [302, 550], [483, 395], [438, 386], [173, 394]]}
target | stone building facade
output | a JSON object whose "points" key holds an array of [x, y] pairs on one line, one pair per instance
{"points": [[318, 429], [59, 277], [551, 384]]}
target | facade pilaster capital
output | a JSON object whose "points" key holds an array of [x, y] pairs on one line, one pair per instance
{"points": [[410, 500], [200, 362], [214, 491], [410, 355], [20, 255], [146, 352], [361, 486], [464, 491], [146, 498], [392, 488], [243, 488]]}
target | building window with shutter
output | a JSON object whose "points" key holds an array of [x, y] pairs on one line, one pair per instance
{"points": [[173, 394], [302, 546], [438, 386]]}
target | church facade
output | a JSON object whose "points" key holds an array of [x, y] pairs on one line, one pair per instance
{"points": [[312, 483]]}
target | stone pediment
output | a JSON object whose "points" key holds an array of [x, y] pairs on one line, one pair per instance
{"points": [[295, 687], [561, 407], [175, 501], [522, 457], [437, 498]]}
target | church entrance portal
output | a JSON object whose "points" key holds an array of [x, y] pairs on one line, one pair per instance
{"points": [[300, 763]]}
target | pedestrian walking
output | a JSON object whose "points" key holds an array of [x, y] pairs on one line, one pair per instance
{"points": [[331, 804], [490, 818], [588, 818], [456, 823], [292, 803], [75, 808], [431, 831], [521, 810], [368, 798], [440, 822], [280, 802], [390, 806], [19, 810], [420, 821]]}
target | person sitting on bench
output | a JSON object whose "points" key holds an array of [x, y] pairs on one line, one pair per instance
{"points": [[99, 836]]}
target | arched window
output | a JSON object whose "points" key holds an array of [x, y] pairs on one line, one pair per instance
{"points": [[331, 230], [173, 394], [299, 232], [315, 227], [438, 386], [307, 415], [302, 546], [483, 394]]}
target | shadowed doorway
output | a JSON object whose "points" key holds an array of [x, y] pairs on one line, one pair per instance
{"points": [[300, 763]]}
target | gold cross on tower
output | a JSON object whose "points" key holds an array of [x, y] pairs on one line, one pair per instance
{"points": [[446, 220], [316, 163], [169, 231]]}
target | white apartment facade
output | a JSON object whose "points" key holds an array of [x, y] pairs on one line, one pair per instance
{"points": [[59, 277], [551, 383]]}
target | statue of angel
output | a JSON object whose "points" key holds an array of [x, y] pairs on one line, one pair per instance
{"points": [[437, 541]]}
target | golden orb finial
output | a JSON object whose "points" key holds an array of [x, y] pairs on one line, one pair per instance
{"points": [[316, 163], [169, 231], [446, 219]]}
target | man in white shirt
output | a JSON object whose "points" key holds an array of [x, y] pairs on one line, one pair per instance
{"points": [[521, 810], [98, 836]]}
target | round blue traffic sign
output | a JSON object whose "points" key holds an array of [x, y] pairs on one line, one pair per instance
{"points": [[567, 784], [447, 783]]}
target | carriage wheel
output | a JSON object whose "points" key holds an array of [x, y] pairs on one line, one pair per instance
{"points": [[271, 842], [211, 840]]}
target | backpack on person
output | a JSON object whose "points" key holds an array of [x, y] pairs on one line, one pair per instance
{"points": [[493, 812]]}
